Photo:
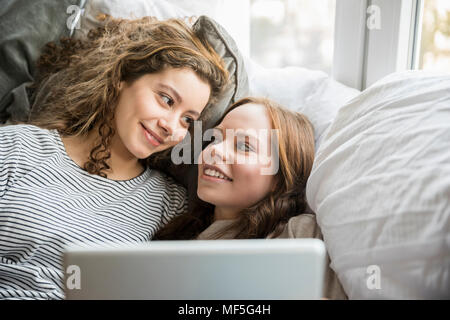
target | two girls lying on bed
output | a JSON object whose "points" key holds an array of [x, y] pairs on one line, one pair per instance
{"points": [[77, 172]]}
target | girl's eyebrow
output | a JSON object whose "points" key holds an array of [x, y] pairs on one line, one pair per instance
{"points": [[194, 113], [238, 134], [172, 91]]}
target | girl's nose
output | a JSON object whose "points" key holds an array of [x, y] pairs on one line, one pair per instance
{"points": [[219, 154], [168, 126]]}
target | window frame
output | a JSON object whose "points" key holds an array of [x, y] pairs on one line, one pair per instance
{"points": [[362, 55]]}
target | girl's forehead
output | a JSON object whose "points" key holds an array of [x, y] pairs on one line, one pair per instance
{"points": [[247, 116]]}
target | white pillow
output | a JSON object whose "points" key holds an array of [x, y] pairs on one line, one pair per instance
{"points": [[219, 10], [380, 186], [160, 9], [313, 93]]}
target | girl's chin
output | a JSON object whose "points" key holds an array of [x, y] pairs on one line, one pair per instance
{"points": [[215, 199], [204, 196], [142, 154]]}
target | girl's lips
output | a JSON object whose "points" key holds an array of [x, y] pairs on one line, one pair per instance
{"points": [[208, 166], [215, 179], [151, 137], [212, 178]]}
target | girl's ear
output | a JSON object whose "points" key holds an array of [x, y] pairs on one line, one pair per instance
{"points": [[121, 84]]}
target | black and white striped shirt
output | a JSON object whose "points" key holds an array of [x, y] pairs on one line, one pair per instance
{"points": [[47, 201]]}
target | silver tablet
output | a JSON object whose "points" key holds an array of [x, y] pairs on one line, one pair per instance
{"points": [[262, 269]]}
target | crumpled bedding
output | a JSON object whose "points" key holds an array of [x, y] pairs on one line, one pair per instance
{"points": [[380, 187], [25, 27]]}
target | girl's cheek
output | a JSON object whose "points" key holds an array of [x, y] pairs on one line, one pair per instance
{"points": [[179, 135], [259, 183]]}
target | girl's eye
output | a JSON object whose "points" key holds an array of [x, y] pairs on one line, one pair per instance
{"points": [[188, 121], [167, 100], [243, 146]]}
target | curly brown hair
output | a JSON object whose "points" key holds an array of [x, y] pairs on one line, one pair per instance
{"points": [[84, 75], [295, 136]]}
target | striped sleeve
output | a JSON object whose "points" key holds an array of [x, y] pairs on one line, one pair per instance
{"points": [[9, 156], [176, 201], [48, 202]]}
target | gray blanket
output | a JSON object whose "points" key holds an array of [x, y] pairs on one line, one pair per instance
{"points": [[25, 27]]}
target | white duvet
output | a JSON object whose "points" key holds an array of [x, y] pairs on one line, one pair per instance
{"points": [[380, 187]]}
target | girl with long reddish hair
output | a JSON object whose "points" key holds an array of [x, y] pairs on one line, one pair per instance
{"points": [[237, 198]]}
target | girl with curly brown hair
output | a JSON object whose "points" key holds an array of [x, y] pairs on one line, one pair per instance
{"points": [[77, 172]]}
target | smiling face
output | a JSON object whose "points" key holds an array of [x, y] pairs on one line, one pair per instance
{"points": [[154, 112], [229, 175]]}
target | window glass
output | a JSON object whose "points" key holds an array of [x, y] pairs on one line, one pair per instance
{"points": [[292, 33], [435, 39]]}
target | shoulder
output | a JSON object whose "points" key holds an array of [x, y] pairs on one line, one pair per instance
{"points": [[22, 147], [301, 226], [27, 144], [21, 128], [26, 134]]}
